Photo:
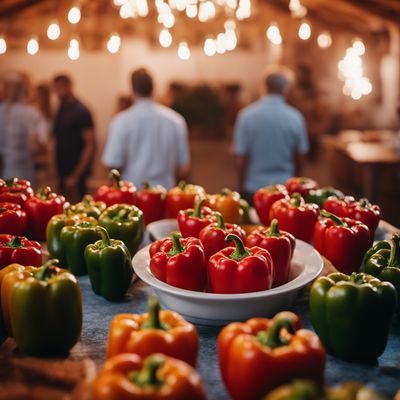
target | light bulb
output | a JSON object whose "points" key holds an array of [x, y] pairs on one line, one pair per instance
{"points": [[191, 10], [359, 47], [126, 11], [183, 51], [165, 38], [305, 31], [230, 25], [73, 50], [114, 43], [3, 45], [53, 31], [221, 43], [324, 40], [32, 47], [273, 34], [169, 20], [210, 47], [231, 40], [74, 15]]}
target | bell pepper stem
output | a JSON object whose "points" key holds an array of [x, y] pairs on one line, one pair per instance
{"points": [[2, 210], [116, 177], [87, 198], [11, 182], [226, 192], [154, 322], [43, 193], [182, 185], [364, 203], [274, 228], [46, 270], [358, 278], [338, 221], [105, 237], [272, 336], [394, 251], [197, 209], [296, 199], [220, 220], [15, 242], [145, 185], [177, 247], [240, 252], [147, 376]]}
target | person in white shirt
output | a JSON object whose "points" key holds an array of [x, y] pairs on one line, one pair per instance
{"points": [[21, 130], [148, 141]]}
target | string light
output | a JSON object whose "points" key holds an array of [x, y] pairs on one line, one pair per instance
{"points": [[74, 15], [210, 47], [3, 45], [126, 11], [351, 72], [165, 38], [183, 51], [305, 31], [273, 34], [114, 43], [33, 46], [358, 46], [53, 31], [73, 50], [297, 9], [324, 40]]}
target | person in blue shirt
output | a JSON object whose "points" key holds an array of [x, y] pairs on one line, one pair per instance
{"points": [[270, 137]]}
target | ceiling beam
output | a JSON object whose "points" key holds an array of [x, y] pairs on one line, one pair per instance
{"points": [[9, 10]]}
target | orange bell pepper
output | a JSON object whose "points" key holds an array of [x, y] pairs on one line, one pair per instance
{"points": [[8, 277], [228, 204], [129, 377], [157, 331], [262, 354]]}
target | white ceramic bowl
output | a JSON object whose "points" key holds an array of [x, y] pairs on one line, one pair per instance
{"points": [[220, 309]]}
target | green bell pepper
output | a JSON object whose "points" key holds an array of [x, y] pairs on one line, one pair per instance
{"points": [[74, 240], [46, 311], [352, 314], [89, 207], [124, 222], [383, 261], [109, 266], [53, 232], [318, 196]]}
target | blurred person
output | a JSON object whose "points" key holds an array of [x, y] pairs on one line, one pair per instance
{"points": [[148, 141], [75, 140], [270, 137], [21, 129], [123, 103]]}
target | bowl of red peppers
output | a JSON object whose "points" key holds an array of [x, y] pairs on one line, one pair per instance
{"points": [[221, 308]]}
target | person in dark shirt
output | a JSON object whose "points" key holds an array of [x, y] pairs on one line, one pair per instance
{"points": [[74, 140]]}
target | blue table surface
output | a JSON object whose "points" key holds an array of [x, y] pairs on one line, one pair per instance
{"points": [[384, 375]]}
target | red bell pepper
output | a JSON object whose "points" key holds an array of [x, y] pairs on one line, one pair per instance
{"points": [[296, 216], [151, 200], [15, 191], [338, 206], [182, 197], [19, 250], [13, 219], [343, 241], [213, 236], [119, 192], [192, 221], [261, 354], [180, 263], [40, 208], [301, 185], [367, 213], [281, 246], [240, 269], [265, 197]]}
